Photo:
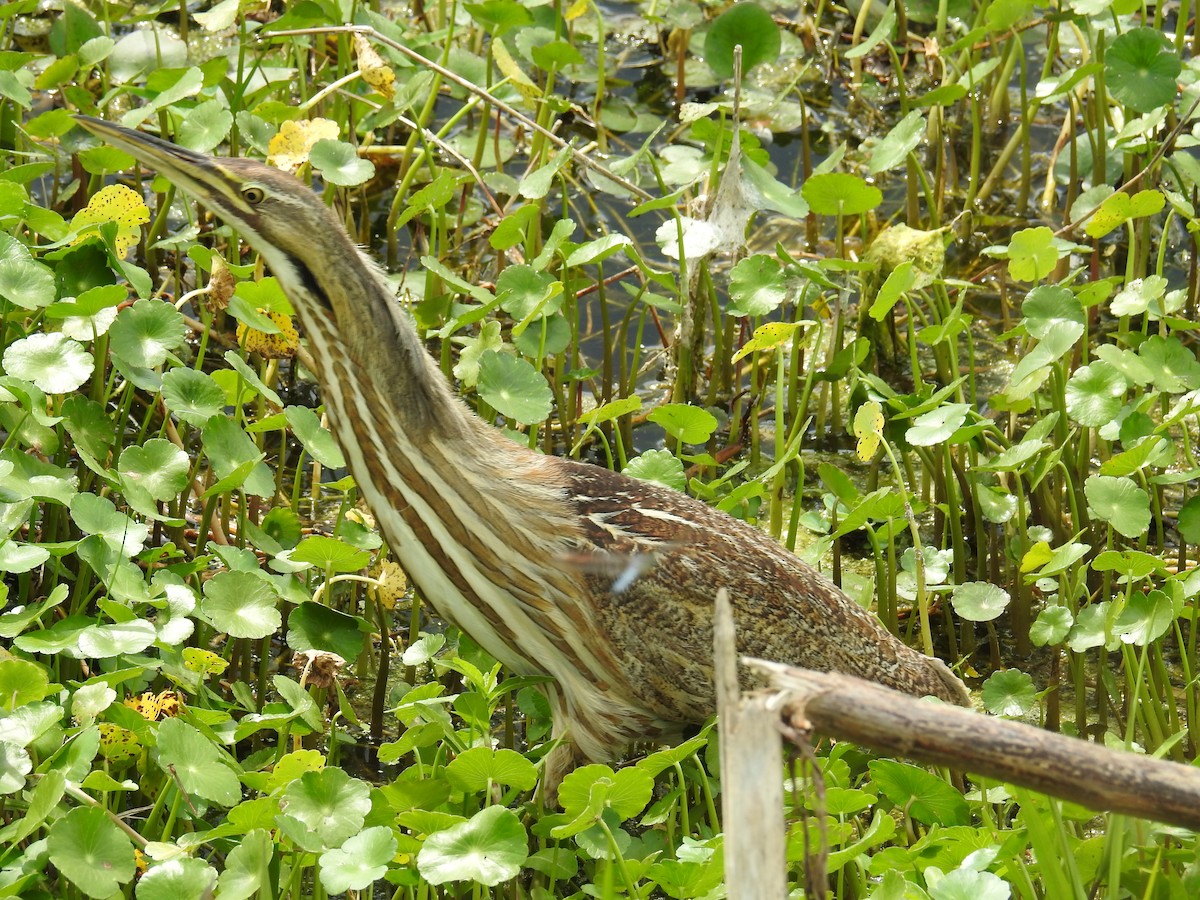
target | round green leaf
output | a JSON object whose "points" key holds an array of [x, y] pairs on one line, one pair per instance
{"points": [[1047, 305], [968, 884], [340, 164], [1032, 254], [1051, 626], [180, 878], [514, 388], [658, 465], [330, 803], [158, 468], [146, 332], [205, 126], [52, 361], [749, 25], [359, 862], [937, 425], [979, 601], [312, 626], [330, 554], [488, 849], [684, 422], [26, 283], [925, 797], [1119, 502], [1145, 618], [241, 605], [1095, 394], [196, 762], [525, 292], [757, 286], [91, 851], [472, 770], [839, 194], [192, 396], [1141, 69], [1009, 692]]}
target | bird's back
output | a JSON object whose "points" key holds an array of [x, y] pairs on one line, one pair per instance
{"points": [[661, 620]]}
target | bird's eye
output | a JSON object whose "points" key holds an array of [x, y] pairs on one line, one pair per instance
{"points": [[254, 195]]}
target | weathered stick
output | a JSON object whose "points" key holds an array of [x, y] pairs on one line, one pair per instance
{"points": [[890, 722], [751, 786]]}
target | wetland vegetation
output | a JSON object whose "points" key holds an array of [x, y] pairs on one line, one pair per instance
{"points": [[911, 286]]}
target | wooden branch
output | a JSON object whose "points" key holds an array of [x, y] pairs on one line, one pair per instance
{"points": [[751, 789], [890, 722]]}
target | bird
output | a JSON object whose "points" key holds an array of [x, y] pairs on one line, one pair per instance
{"points": [[488, 530]]}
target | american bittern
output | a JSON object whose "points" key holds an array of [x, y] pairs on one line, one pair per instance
{"points": [[485, 527]]}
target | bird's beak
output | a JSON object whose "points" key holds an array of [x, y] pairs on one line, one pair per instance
{"points": [[184, 167]]}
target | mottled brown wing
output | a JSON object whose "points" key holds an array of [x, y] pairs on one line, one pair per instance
{"points": [[785, 610]]}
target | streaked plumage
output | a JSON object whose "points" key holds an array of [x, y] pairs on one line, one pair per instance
{"points": [[490, 531]]}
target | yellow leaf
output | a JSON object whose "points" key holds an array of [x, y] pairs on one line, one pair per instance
{"points": [[576, 9], [271, 346], [868, 428], [289, 149], [375, 71], [115, 203], [514, 73], [769, 336]]}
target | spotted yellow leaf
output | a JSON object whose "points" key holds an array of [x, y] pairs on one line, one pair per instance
{"points": [[117, 744], [203, 662], [770, 335], [375, 71], [282, 345], [868, 428], [115, 203], [289, 149]]}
